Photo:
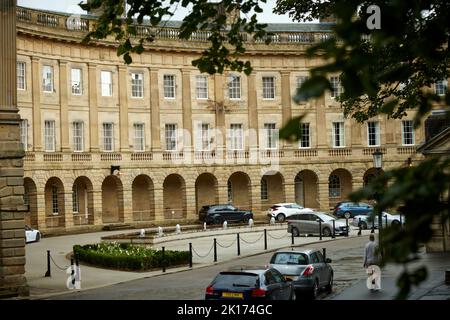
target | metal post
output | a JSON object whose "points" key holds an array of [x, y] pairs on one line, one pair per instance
{"points": [[238, 245], [320, 229], [190, 254], [48, 273], [72, 274], [373, 225], [385, 219], [360, 227], [292, 237], [265, 239], [401, 224], [334, 229], [215, 250], [324, 252], [163, 262], [346, 225]]}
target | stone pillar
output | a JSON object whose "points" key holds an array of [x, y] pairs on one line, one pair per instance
{"points": [[289, 191], [36, 92], [390, 132], [93, 108], [190, 203], [286, 97], [223, 191], [321, 124], [255, 191], [159, 204], [127, 203], [12, 234], [64, 106], [155, 113], [40, 198], [253, 110], [323, 196], [356, 133], [187, 108], [220, 114], [123, 109], [68, 210], [97, 205]]}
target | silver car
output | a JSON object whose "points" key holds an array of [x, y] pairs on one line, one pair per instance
{"points": [[307, 269], [308, 223], [365, 221]]}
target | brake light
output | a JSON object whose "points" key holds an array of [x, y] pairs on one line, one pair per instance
{"points": [[210, 290], [308, 271], [258, 293]]}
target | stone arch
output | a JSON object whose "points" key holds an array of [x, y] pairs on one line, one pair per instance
{"points": [[339, 186], [112, 200], [82, 201], [174, 194], [369, 175], [30, 199], [143, 198], [206, 190], [54, 203], [240, 190], [274, 181], [306, 189]]}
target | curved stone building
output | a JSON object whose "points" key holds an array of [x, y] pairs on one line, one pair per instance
{"points": [[152, 142]]}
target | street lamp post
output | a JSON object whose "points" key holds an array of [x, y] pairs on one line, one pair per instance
{"points": [[378, 163]]}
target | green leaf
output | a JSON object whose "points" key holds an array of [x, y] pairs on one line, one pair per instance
{"points": [[312, 88], [291, 131]]}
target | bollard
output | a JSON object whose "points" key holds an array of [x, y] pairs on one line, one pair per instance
{"points": [[238, 245], [360, 227], [265, 239], [204, 226], [225, 224], [215, 250], [373, 225], [163, 262], [250, 223], [72, 274], [48, 273], [292, 237], [346, 225], [324, 253], [190, 255], [401, 224], [272, 221], [177, 229], [334, 229], [77, 273], [320, 229], [385, 218]]}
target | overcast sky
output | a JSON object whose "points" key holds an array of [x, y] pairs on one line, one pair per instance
{"points": [[71, 6]]}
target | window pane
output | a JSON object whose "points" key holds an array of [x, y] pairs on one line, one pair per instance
{"points": [[202, 87], [263, 189], [334, 186], [373, 134], [271, 135], [139, 137], [106, 82], [169, 86], [171, 137], [305, 138], [234, 87], [75, 205], [21, 75], [338, 134], [76, 81], [49, 135], [24, 133], [441, 87], [407, 132], [78, 136], [137, 85], [108, 138], [336, 87], [236, 136], [268, 87], [47, 78]]}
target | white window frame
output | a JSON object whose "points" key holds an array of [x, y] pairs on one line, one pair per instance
{"points": [[376, 133], [47, 78], [305, 133], [169, 86], [75, 199], [106, 83], [409, 124], [139, 136], [49, 135], [76, 84], [268, 87], [334, 186], [264, 190], [338, 130], [105, 130], [234, 87], [201, 87], [441, 87], [137, 85], [170, 132], [335, 83], [236, 136], [21, 75], [205, 137], [271, 136], [24, 133], [78, 136], [55, 207]]}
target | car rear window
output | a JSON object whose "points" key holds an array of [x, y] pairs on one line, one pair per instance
{"points": [[237, 279], [289, 258]]}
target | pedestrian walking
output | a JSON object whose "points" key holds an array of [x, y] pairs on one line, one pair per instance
{"points": [[371, 262]]}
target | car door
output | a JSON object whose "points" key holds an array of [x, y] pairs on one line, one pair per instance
{"points": [[324, 272], [233, 214], [272, 288], [314, 225], [304, 223], [318, 267], [284, 293]]}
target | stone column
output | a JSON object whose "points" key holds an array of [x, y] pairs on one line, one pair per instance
{"points": [[321, 123], [187, 108], [253, 110], [36, 92], [155, 113], [286, 96], [93, 108], [64, 106], [127, 203], [97, 206], [40, 198], [159, 204], [68, 210], [255, 192], [190, 203], [289, 191], [220, 114], [12, 235], [222, 189], [123, 109], [323, 196], [356, 133]]}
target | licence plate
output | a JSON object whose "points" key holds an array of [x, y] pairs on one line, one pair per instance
{"points": [[232, 295], [288, 278]]}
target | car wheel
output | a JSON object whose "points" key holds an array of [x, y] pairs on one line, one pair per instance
{"points": [[314, 290], [295, 232], [245, 219], [347, 213], [395, 223], [38, 237], [329, 286], [281, 217], [326, 232], [363, 225], [218, 220]]}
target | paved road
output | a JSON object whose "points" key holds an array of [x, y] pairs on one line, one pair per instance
{"points": [[190, 285]]}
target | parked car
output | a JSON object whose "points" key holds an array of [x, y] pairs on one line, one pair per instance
{"points": [[248, 283], [352, 209], [281, 211], [32, 235], [308, 223], [366, 220], [218, 213], [307, 269]]}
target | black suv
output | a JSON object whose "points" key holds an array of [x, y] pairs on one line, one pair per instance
{"points": [[218, 213]]}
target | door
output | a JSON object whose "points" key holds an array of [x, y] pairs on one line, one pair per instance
{"points": [[318, 267], [284, 292], [273, 288], [231, 214], [314, 225], [324, 272]]}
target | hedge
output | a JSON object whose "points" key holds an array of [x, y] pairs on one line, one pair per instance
{"points": [[128, 256]]}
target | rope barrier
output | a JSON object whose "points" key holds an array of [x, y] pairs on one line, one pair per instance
{"points": [[252, 242], [225, 247], [276, 238], [202, 256], [64, 268]]}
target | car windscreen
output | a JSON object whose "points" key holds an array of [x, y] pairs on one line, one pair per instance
{"points": [[325, 217], [236, 280], [294, 258]]}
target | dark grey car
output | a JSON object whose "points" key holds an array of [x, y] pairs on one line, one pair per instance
{"points": [[307, 269]]}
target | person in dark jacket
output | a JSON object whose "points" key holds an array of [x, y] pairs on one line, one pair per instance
{"points": [[371, 261]]}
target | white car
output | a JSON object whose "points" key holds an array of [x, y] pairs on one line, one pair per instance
{"points": [[366, 220], [31, 235], [281, 211]]}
